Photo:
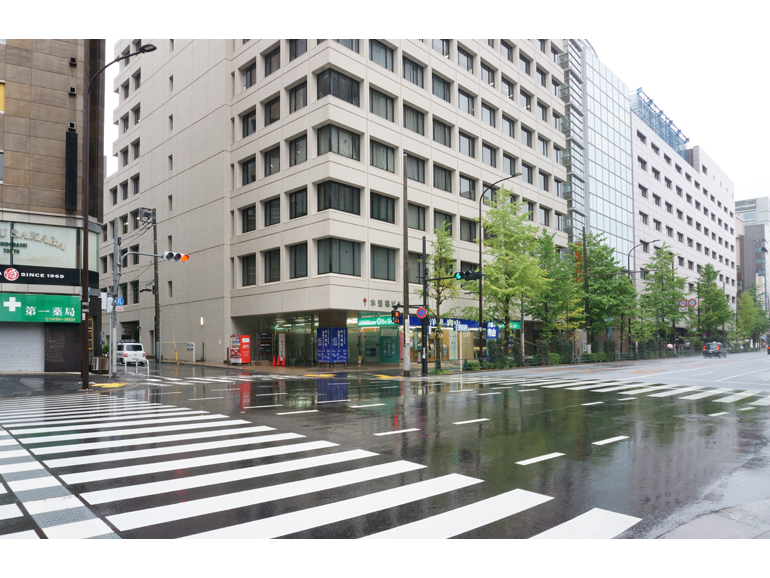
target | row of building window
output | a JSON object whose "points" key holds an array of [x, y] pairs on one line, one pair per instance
{"points": [[644, 219]]}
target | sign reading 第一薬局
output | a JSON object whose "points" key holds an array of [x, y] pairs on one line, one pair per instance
{"points": [[36, 254], [39, 308]]}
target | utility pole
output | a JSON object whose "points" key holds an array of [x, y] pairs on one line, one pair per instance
{"points": [[521, 330], [585, 288], [407, 335], [156, 289], [113, 312], [424, 321]]}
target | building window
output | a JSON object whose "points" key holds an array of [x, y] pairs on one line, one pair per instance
{"points": [[559, 188], [249, 77], [248, 270], [415, 169], [442, 133], [559, 222], [334, 195], [136, 148], [467, 187], [298, 97], [525, 100], [488, 155], [272, 61], [507, 88], [542, 112], [467, 230], [383, 262], [124, 189], [351, 44], [656, 199], [526, 136], [442, 178], [506, 50], [382, 156], [556, 119], [272, 161], [542, 146], [414, 120], [249, 219], [124, 156], [467, 145], [527, 173], [656, 173], [643, 218], [124, 121], [337, 84], [272, 212], [249, 171], [488, 114], [642, 163], [339, 256], [298, 150], [509, 164], [464, 60], [466, 102], [524, 64], [381, 54], [542, 180], [297, 48], [135, 184], [383, 208], [487, 75], [298, 261], [440, 218], [272, 110], [249, 122], [441, 46], [657, 224], [298, 204], [557, 154], [545, 217], [441, 88], [380, 104], [113, 192], [137, 115], [413, 72], [416, 217], [272, 266], [508, 126], [338, 140], [542, 76]]}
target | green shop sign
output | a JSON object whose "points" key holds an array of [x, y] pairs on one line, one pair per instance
{"points": [[380, 321], [39, 308], [515, 324]]}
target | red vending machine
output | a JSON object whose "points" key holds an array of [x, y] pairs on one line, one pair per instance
{"points": [[245, 343]]}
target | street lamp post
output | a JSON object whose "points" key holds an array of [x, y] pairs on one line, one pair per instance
{"points": [[632, 250], [84, 294], [482, 333]]}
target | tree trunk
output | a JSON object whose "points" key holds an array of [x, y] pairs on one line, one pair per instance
{"points": [[439, 334], [506, 332]]}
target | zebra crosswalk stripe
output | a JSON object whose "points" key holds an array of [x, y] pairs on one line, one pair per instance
{"points": [[199, 415], [595, 523]]}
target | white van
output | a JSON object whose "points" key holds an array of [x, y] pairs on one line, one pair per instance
{"points": [[131, 352]]}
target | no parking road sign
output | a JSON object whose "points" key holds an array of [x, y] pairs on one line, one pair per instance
{"points": [[683, 303], [692, 302], [421, 313]]}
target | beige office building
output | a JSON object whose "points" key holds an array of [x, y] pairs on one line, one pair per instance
{"points": [[277, 166]]}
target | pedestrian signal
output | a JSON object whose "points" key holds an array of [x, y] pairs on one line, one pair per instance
{"points": [[176, 257], [467, 275], [396, 317]]}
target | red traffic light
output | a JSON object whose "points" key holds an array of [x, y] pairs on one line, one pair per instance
{"points": [[171, 256]]}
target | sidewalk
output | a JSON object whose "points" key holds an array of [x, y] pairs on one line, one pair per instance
{"points": [[747, 521]]}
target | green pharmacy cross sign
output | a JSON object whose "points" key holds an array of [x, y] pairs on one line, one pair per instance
{"points": [[39, 308]]}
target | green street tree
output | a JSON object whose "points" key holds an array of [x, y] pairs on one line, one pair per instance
{"points": [[752, 318], [441, 263], [713, 310], [610, 294], [510, 266], [559, 304], [663, 289]]}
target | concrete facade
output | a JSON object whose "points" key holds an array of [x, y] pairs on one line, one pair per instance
{"points": [[754, 211], [193, 99]]}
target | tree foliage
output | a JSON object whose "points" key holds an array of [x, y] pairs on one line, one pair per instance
{"points": [[713, 309]]}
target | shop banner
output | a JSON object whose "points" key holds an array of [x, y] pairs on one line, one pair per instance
{"points": [[324, 345], [448, 323], [39, 308], [339, 345], [389, 348]]}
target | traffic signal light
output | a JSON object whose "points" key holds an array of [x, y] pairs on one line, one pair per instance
{"points": [[396, 317], [171, 256], [468, 275]]}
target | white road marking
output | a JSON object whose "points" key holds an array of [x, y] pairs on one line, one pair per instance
{"points": [[594, 524], [398, 431], [706, 394], [592, 403], [718, 413], [626, 399], [494, 393], [53, 504], [63, 449], [470, 421], [129, 432], [334, 401], [142, 414], [616, 388], [293, 412], [571, 383], [262, 406], [216, 504], [27, 535], [739, 396], [96, 408], [198, 416], [526, 390], [292, 522], [10, 511], [579, 387], [504, 387], [178, 484], [169, 450], [742, 374], [763, 401], [84, 529], [369, 405], [123, 472], [34, 484], [23, 467], [466, 518], [648, 389], [610, 440], [675, 392], [230, 389], [203, 398], [746, 408], [539, 459]]}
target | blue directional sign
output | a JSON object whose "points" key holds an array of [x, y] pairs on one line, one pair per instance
{"points": [[119, 301]]}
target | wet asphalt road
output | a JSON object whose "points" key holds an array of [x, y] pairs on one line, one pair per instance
{"points": [[235, 454]]}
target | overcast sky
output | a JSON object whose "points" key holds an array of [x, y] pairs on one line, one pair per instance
{"points": [[702, 64]]}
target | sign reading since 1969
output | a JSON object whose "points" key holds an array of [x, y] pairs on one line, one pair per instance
{"points": [[39, 308]]}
